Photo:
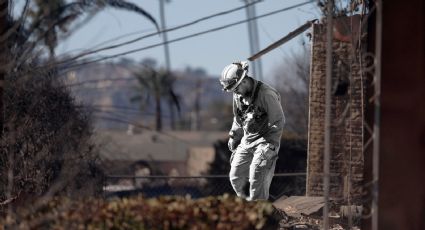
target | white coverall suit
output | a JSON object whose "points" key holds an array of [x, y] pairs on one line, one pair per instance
{"points": [[256, 131]]}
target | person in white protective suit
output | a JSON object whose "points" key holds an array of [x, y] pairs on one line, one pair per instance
{"points": [[254, 138]]}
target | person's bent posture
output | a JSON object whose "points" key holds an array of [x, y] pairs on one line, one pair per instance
{"points": [[254, 138]]}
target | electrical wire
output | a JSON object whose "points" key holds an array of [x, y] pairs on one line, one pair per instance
{"points": [[116, 107], [183, 37], [159, 32], [99, 80], [121, 111], [138, 125], [123, 36], [77, 84]]}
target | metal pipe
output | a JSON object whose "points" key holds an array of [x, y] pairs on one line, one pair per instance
{"points": [[328, 103], [283, 40]]}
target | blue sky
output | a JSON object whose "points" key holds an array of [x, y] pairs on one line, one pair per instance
{"points": [[210, 51]]}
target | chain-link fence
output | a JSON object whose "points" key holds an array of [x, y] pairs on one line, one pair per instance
{"points": [[196, 186]]}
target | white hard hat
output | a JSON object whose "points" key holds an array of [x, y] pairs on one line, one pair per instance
{"points": [[233, 74]]}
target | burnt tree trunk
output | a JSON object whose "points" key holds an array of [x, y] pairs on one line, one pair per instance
{"points": [[4, 8]]}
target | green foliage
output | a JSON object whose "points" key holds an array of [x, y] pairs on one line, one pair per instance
{"points": [[222, 212]]}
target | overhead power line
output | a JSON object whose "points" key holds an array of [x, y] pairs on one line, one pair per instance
{"points": [[123, 112], [188, 36], [159, 32], [117, 107], [121, 109], [138, 125], [93, 81], [99, 80], [114, 39]]}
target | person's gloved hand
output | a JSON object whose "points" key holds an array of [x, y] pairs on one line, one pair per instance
{"points": [[269, 155]]}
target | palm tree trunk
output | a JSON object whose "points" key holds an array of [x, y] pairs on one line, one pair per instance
{"points": [[158, 114], [198, 106], [172, 115]]}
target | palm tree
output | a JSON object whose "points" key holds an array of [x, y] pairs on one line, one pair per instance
{"points": [[159, 85], [44, 21], [40, 21], [52, 18]]}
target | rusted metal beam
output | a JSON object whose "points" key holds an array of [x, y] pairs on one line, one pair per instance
{"points": [[283, 40]]}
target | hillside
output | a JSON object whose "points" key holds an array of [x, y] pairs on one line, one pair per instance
{"points": [[107, 88]]}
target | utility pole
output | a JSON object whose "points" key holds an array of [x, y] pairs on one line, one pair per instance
{"points": [[167, 57], [254, 41], [164, 34]]}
